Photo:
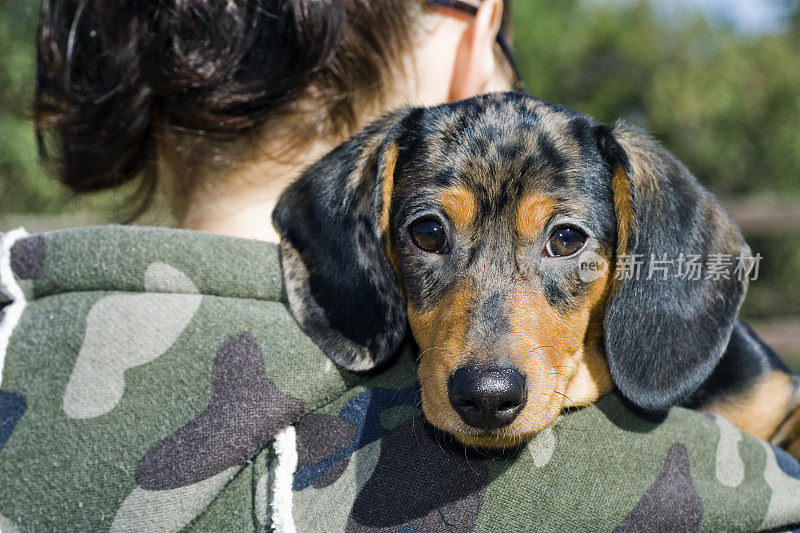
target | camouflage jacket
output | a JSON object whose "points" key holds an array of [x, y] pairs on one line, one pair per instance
{"points": [[154, 380]]}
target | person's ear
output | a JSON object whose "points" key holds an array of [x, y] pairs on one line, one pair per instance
{"points": [[334, 228], [665, 333], [476, 60]]}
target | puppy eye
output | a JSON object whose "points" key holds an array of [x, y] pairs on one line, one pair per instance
{"points": [[429, 235], [564, 242]]}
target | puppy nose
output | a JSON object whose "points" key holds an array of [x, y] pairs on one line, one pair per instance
{"points": [[487, 397]]}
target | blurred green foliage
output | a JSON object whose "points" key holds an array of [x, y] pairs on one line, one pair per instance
{"points": [[727, 104], [22, 185]]}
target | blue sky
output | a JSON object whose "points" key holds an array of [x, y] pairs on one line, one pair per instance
{"points": [[748, 16]]}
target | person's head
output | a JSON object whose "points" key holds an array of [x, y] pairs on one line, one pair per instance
{"points": [[195, 93]]}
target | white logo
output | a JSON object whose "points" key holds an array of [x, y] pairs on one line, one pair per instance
{"points": [[591, 266]]}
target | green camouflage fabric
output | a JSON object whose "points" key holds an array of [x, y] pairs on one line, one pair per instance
{"points": [[155, 380]]}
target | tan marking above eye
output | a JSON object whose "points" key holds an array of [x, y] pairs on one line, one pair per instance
{"points": [[459, 204], [532, 215]]}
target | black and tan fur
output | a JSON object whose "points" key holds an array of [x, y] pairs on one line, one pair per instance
{"points": [[500, 172]]}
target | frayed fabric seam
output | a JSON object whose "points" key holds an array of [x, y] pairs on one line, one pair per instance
{"points": [[285, 447], [13, 311]]}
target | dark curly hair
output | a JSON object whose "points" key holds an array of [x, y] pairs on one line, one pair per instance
{"points": [[114, 74]]}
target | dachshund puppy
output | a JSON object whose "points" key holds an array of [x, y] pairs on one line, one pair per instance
{"points": [[496, 230]]}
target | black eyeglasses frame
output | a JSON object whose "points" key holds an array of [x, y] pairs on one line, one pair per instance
{"points": [[505, 47]]}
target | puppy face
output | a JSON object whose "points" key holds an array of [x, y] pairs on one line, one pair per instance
{"points": [[490, 229], [492, 218]]}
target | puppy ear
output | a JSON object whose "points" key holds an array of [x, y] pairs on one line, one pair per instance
{"points": [[334, 222], [664, 335]]}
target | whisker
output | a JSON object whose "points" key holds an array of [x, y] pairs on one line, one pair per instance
{"points": [[564, 395], [442, 348]]}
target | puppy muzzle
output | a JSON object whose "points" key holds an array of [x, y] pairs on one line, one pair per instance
{"points": [[487, 397]]}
